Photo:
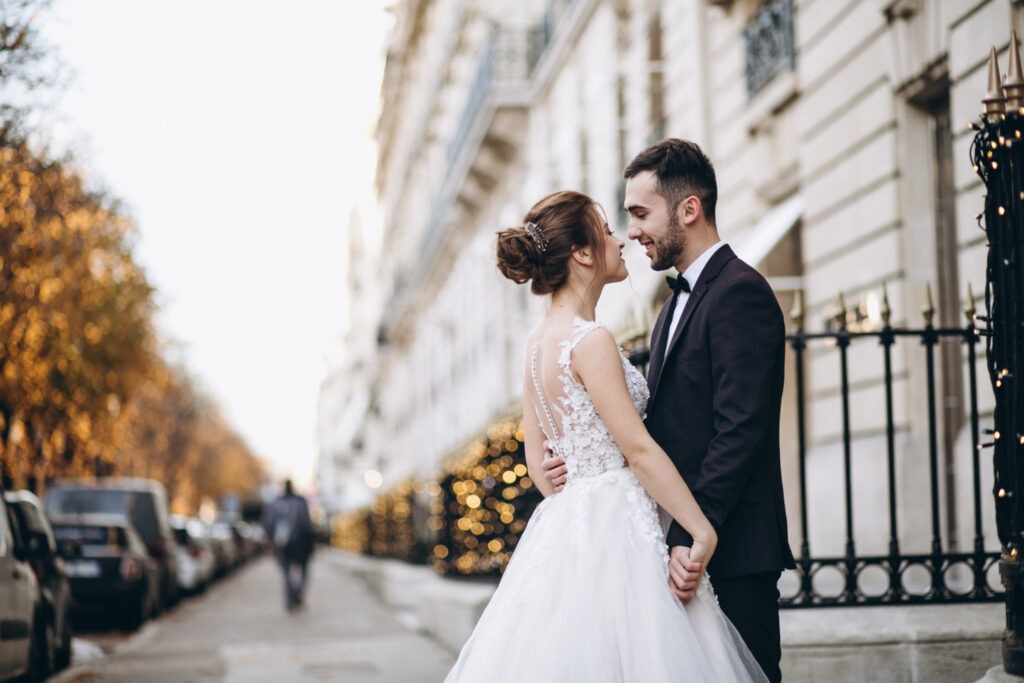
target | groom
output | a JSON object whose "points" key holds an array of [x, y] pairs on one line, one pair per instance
{"points": [[715, 374]]}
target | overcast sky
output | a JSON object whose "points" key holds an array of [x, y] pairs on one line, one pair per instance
{"points": [[238, 135]]}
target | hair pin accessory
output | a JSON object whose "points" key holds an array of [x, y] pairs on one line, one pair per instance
{"points": [[537, 235]]}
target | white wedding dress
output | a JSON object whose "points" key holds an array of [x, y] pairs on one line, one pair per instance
{"points": [[585, 598]]}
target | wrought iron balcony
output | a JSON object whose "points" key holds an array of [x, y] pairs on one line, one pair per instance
{"points": [[543, 32], [768, 43]]}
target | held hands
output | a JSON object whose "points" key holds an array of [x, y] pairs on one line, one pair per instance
{"points": [[686, 566], [554, 468]]}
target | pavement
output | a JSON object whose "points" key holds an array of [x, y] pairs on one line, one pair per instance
{"points": [[240, 632], [378, 621]]}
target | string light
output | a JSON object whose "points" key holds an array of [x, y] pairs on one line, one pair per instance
{"points": [[481, 507]]}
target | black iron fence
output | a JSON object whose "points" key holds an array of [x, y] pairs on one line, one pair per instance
{"points": [[853, 578], [941, 575], [475, 513]]}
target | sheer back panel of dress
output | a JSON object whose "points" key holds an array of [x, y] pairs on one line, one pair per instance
{"points": [[563, 408]]}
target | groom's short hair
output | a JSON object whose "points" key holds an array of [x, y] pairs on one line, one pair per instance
{"points": [[682, 170]]}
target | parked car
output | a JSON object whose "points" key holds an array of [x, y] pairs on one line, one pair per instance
{"points": [[41, 553], [196, 562], [245, 540], [21, 608], [224, 547], [142, 501], [109, 568]]}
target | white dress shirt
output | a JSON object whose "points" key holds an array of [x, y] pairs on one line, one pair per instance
{"points": [[691, 274]]}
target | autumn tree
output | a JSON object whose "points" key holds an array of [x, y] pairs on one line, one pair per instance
{"points": [[75, 318], [25, 64], [84, 389]]}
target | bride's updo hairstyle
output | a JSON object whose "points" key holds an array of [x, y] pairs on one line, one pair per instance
{"points": [[538, 251]]}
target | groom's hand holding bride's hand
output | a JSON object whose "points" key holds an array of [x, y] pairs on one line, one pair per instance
{"points": [[686, 566], [683, 573], [554, 468]]}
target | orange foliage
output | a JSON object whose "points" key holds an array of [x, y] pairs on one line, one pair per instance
{"points": [[84, 390]]}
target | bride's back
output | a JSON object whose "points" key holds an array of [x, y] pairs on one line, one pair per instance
{"points": [[559, 402]]}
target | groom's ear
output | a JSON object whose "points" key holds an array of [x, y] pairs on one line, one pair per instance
{"points": [[689, 210]]}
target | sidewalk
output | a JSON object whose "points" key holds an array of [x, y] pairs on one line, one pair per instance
{"points": [[240, 632], [370, 620]]}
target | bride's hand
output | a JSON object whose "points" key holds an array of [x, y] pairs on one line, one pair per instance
{"points": [[704, 547]]}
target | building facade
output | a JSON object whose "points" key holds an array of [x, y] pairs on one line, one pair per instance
{"points": [[839, 131]]}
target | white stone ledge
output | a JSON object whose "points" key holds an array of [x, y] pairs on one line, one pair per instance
{"points": [[449, 609], [891, 624]]}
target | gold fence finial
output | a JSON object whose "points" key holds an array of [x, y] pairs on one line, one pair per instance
{"points": [[929, 307], [797, 312], [886, 308], [969, 311], [841, 315], [1013, 86], [995, 101]]}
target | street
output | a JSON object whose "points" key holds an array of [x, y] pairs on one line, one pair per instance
{"points": [[239, 632]]}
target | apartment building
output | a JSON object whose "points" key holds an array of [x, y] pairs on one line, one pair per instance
{"points": [[839, 133]]}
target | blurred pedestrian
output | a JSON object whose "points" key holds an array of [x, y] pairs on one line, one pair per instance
{"points": [[290, 531]]}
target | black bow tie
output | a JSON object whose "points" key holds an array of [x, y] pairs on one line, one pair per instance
{"points": [[678, 284]]}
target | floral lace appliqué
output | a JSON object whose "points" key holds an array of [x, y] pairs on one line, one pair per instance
{"points": [[585, 443]]}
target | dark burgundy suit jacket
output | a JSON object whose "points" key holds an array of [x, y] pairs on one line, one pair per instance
{"points": [[714, 408]]}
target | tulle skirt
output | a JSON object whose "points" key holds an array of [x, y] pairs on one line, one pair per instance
{"points": [[585, 599]]}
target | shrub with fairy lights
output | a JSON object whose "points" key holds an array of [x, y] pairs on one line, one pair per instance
{"points": [[391, 525], [385, 529], [479, 510], [351, 531]]}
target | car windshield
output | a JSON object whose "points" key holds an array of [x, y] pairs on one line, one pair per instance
{"points": [[90, 535], [81, 501], [139, 507]]}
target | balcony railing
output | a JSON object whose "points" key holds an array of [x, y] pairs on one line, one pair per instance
{"points": [[768, 44], [543, 32]]}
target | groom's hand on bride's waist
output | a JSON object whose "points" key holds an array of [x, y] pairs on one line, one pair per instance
{"points": [[553, 467], [683, 573]]}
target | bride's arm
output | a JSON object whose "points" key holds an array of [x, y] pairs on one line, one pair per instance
{"points": [[597, 362]]}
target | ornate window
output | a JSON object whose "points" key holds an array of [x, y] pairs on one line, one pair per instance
{"points": [[768, 44]]}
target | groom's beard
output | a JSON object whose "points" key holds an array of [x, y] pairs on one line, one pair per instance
{"points": [[668, 249]]}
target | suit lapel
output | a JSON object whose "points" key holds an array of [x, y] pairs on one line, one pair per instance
{"points": [[707, 276], [657, 358]]}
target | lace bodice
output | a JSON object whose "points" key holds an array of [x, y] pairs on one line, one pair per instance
{"points": [[582, 438]]}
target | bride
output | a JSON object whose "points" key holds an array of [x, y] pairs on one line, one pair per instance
{"points": [[585, 597]]}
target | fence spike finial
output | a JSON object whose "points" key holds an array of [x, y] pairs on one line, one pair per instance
{"points": [[841, 315], [797, 312], [886, 308], [1013, 86], [995, 101], [929, 307], [969, 311]]}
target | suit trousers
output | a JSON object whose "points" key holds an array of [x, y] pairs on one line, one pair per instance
{"points": [[752, 605]]}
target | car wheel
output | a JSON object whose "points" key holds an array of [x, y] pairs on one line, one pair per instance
{"points": [[37, 657], [49, 654], [139, 612]]}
